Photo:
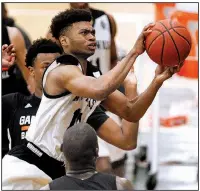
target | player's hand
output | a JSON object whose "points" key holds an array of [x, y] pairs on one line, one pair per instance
{"points": [[140, 42], [163, 73], [8, 55]]}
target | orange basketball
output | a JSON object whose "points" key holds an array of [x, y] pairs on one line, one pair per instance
{"points": [[169, 43]]}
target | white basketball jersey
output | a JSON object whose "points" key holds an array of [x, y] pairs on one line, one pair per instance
{"points": [[57, 113], [101, 57]]}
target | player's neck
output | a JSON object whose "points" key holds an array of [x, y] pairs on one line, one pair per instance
{"points": [[83, 175], [83, 63], [76, 167], [82, 60], [38, 92]]}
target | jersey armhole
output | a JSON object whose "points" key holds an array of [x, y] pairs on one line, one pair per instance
{"points": [[63, 59], [55, 96]]}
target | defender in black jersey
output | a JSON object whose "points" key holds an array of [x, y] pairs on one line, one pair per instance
{"points": [[80, 148], [19, 110]]}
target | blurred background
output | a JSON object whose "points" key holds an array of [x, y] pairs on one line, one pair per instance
{"points": [[166, 157]]}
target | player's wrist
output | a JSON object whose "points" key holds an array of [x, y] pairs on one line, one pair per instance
{"points": [[157, 82], [135, 52]]}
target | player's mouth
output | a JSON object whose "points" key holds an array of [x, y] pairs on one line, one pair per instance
{"points": [[92, 46]]}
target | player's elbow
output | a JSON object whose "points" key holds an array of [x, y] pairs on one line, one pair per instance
{"points": [[130, 147], [130, 115], [100, 94], [132, 118]]}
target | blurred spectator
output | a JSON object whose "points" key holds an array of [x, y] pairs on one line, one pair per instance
{"points": [[16, 77], [8, 21]]}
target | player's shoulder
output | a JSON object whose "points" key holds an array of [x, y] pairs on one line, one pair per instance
{"points": [[67, 59], [61, 65], [15, 98], [123, 184]]}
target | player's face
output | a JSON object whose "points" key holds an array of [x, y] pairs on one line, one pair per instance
{"points": [[79, 5], [82, 41], [42, 61]]}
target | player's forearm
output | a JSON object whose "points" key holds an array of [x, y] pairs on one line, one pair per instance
{"points": [[22, 66], [130, 129], [139, 105], [110, 81]]}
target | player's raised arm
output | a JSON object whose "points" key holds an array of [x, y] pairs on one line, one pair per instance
{"points": [[133, 109]]}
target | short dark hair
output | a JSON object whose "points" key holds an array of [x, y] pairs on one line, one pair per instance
{"points": [[66, 18], [80, 143], [41, 45]]}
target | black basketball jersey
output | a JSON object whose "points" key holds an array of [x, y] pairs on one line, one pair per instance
{"points": [[18, 112], [99, 181]]}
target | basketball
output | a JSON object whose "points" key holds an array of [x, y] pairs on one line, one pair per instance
{"points": [[169, 43]]}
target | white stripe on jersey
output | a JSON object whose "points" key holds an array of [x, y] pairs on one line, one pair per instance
{"points": [[54, 116]]}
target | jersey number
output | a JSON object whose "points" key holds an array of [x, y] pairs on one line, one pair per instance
{"points": [[76, 118]]}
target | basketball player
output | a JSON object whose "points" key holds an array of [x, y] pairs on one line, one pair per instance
{"points": [[105, 58], [10, 22], [80, 148], [19, 110], [11, 80], [72, 89]]}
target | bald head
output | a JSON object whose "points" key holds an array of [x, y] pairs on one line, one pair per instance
{"points": [[80, 143]]}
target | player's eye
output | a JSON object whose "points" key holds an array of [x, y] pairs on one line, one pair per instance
{"points": [[93, 32], [85, 32]]}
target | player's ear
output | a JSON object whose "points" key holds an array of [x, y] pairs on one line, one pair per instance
{"points": [[32, 72], [64, 41], [61, 147]]}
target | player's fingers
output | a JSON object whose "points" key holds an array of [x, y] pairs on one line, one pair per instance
{"points": [[146, 33], [174, 69], [168, 71], [11, 48], [4, 46], [177, 68], [13, 54], [12, 59], [150, 25]]}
